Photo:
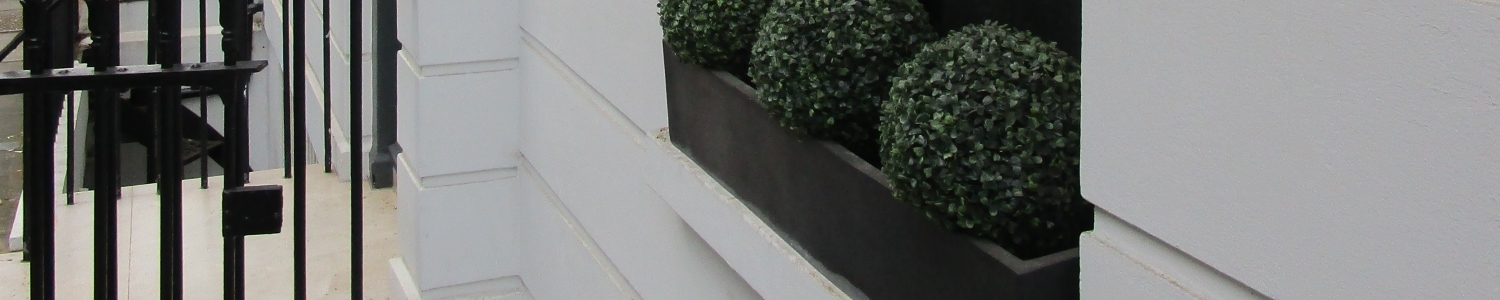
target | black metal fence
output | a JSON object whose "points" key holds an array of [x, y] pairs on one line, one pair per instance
{"points": [[50, 36]]}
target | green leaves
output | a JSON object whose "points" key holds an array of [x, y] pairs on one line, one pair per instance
{"points": [[822, 67], [714, 34], [981, 132]]}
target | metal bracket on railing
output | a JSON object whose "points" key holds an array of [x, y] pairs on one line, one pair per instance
{"points": [[252, 210]]}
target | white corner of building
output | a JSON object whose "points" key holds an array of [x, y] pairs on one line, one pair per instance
{"points": [[402, 285], [14, 242]]}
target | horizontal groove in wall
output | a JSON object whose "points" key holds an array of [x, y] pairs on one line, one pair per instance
{"points": [[599, 101], [437, 181], [498, 288], [604, 263], [451, 69], [504, 64], [1168, 262]]}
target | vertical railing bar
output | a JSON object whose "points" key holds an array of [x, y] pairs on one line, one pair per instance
{"points": [[153, 151], [286, 87], [356, 141], [299, 155], [230, 272], [233, 246], [327, 94], [234, 20], [37, 165], [153, 43], [234, 172], [70, 9], [64, 28], [104, 22], [203, 97], [231, 264], [242, 14], [68, 157], [168, 17], [244, 51]]}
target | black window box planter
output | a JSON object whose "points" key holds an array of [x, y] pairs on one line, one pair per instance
{"points": [[838, 208]]}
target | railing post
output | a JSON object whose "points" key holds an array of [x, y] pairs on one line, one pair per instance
{"points": [[39, 129], [233, 16], [299, 150], [243, 9], [167, 16], [104, 30], [356, 164]]}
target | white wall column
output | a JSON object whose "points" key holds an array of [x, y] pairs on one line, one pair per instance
{"points": [[458, 126]]}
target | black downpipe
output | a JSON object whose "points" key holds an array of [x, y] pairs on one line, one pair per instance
{"points": [[382, 156]]}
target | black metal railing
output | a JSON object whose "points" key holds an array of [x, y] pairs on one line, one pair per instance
{"points": [[48, 39], [11, 46]]}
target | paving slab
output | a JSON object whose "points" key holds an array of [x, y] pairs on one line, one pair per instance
{"points": [[10, 16]]}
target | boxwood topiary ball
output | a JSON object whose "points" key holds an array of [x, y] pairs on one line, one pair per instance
{"points": [[714, 34], [981, 133], [822, 67]]}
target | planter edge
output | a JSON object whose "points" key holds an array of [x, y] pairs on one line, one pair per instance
{"points": [[1052, 276]]}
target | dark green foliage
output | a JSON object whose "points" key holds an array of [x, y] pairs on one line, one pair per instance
{"points": [[714, 34], [823, 67], [981, 133]]}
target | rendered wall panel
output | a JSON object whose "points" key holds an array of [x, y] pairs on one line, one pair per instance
{"points": [[597, 171], [1311, 149], [614, 45]]}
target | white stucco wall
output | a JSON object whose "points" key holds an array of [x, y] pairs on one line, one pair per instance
{"points": [[339, 69], [532, 168], [1336, 149]]}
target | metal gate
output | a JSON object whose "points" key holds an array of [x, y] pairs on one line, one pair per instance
{"points": [[50, 36]]}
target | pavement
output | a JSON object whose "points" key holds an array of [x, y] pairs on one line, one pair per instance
{"points": [[10, 124], [10, 15], [268, 258]]}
